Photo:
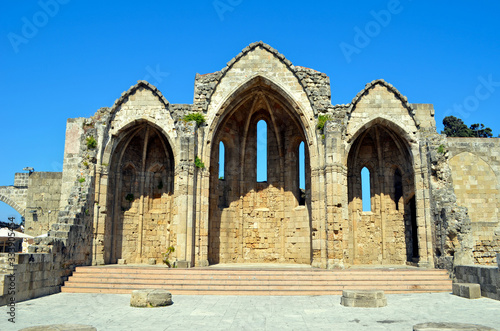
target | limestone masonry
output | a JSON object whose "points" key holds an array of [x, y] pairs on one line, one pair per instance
{"points": [[138, 179]]}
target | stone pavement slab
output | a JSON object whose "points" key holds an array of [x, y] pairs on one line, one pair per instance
{"points": [[108, 312]]}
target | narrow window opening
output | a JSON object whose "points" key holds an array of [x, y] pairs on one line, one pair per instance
{"points": [[414, 228], [302, 175], [222, 163], [366, 189], [398, 187], [262, 151]]}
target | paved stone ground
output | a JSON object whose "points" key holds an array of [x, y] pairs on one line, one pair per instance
{"points": [[112, 312]]}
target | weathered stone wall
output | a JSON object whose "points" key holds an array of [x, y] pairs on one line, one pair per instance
{"points": [[475, 168], [30, 276], [43, 199], [486, 276], [36, 196]]}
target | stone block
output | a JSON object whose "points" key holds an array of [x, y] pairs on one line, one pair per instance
{"points": [[183, 264], [363, 298], [466, 290], [122, 261], [150, 298], [151, 261]]}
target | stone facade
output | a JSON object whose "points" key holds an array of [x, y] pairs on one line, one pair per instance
{"points": [[138, 179]]}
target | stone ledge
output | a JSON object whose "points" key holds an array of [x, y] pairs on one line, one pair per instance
{"points": [[467, 290], [150, 298]]}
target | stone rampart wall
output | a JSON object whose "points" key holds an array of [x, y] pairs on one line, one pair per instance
{"points": [[43, 196], [486, 276], [30, 276], [475, 167]]}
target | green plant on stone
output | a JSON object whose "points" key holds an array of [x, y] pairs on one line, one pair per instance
{"points": [[322, 119], [197, 117], [166, 256], [81, 180], [91, 142], [198, 163], [441, 149]]}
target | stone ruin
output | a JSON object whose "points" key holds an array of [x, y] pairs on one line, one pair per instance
{"points": [[140, 177]]}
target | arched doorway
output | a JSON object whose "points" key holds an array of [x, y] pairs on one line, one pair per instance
{"points": [[385, 232], [256, 213], [140, 196]]}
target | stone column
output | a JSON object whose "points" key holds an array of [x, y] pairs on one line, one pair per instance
{"points": [[201, 238], [101, 188], [185, 191], [423, 206], [318, 204], [335, 177]]}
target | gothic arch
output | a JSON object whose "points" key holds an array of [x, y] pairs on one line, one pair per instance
{"points": [[274, 92], [386, 234], [124, 133], [139, 195], [249, 221]]}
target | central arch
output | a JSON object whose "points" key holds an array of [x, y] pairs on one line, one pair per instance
{"points": [[252, 221]]}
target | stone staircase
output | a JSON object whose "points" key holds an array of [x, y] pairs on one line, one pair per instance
{"points": [[213, 281]]}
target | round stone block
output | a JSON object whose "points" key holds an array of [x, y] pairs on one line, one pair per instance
{"points": [[150, 298], [61, 327], [451, 327]]}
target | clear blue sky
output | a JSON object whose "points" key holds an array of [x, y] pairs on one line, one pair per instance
{"points": [[66, 61]]}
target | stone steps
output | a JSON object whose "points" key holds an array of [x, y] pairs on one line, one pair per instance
{"points": [[124, 279]]}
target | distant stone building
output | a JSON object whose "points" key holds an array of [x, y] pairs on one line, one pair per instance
{"points": [[138, 178]]}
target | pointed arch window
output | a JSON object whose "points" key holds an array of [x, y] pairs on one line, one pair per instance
{"points": [[366, 189], [398, 187], [302, 175], [222, 161], [261, 151]]}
